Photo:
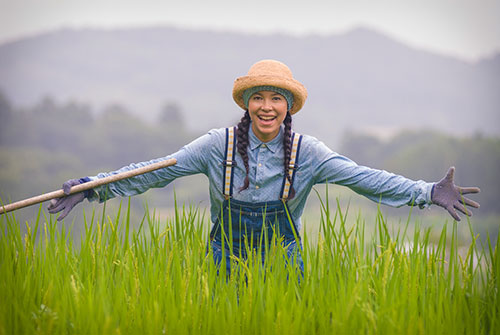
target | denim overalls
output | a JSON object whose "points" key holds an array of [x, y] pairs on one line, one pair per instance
{"points": [[244, 226]]}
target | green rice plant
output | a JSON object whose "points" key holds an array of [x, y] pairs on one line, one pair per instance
{"points": [[159, 279]]}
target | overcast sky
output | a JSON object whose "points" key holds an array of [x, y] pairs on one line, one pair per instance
{"points": [[469, 29]]}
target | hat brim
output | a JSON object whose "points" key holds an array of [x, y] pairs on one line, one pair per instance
{"points": [[298, 90]]}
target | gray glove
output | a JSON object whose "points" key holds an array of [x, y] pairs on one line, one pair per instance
{"points": [[449, 196], [69, 201]]}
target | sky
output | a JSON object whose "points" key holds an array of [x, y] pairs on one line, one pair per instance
{"points": [[467, 29]]}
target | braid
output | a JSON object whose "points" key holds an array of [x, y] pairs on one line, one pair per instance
{"points": [[287, 147], [242, 144]]}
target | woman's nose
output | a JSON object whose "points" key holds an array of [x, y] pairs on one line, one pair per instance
{"points": [[266, 105]]}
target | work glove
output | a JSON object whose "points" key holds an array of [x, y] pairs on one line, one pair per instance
{"points": [[69, 201], [449, 196]]}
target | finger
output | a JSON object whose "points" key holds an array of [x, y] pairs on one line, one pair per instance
{"points": [[450, 174], [67, 187], [52, 204], [468, 202], [59, 206], [453, 213], [467, 190], [63, 214], [66, 211], [68, 184], [461, 208]]}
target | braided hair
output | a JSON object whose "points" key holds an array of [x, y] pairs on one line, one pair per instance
{"points": [[287, 147], [242, 145]]}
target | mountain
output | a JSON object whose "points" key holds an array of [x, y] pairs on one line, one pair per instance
{"points": [[359, 80]]}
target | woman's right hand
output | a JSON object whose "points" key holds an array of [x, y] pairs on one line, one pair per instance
{"points": [[67, 202]]}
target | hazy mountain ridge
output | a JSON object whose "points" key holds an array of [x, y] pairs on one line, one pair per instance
{"points": [[357, 80]]}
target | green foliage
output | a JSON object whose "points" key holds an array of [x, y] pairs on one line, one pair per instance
{"points": [[29, 170], [158, 279], [5, 114], [109, 139]]}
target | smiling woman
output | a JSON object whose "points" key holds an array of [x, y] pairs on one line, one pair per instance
{"points": [[274, 170]]}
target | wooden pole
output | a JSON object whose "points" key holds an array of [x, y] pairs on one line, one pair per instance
{"points": [[86, 186]]}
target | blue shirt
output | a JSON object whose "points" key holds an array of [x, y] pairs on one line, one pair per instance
{"points": [[316, 164]]}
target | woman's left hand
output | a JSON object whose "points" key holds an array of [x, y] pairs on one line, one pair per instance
{"points": [[449, 196]]}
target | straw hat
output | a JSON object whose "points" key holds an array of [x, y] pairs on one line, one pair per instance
{"points": [[270, 73]]}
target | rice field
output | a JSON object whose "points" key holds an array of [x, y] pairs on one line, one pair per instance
{"points": [[155, 277]]}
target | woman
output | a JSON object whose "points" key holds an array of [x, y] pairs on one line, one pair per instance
{"points": [[261, 171]]}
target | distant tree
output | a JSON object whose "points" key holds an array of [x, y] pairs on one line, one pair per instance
{"points": [[171, 114], [5, 106], [5, 114], [47, 106], [77, 113], [362, 148], [115, 111]]}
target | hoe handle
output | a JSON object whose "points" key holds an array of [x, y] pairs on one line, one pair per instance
{"points": [[86, 186]]}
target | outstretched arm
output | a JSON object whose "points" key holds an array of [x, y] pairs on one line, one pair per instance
{"points": [[449, 196], [191, 159], [387, 188]]}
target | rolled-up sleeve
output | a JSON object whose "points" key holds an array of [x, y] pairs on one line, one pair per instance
{"points": [[378, 185], [191, 159]]}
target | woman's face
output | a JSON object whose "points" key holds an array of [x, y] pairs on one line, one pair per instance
{"points": [[267, 111]]}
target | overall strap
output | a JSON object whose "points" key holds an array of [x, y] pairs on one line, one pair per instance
{"points": [[229, 162], [292, 167]]}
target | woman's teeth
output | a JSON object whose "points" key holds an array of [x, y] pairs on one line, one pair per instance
{"points": [[267, 118]]}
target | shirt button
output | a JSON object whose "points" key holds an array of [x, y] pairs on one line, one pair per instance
{"points": [[264, 145], [257, 187], [260, 164]]}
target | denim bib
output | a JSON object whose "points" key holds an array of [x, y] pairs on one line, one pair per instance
{"points": [[244, 227]]}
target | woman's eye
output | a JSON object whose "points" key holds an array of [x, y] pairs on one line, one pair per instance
{"points": [[277, 98]]}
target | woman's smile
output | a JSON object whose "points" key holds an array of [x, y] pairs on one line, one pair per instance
{"points": [[267, 120]]}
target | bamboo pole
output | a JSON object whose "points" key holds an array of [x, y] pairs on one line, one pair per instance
{"points": [[86, 186]]}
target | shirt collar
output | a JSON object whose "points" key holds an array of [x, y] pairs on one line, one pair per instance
{"points": [[273, 144]]}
